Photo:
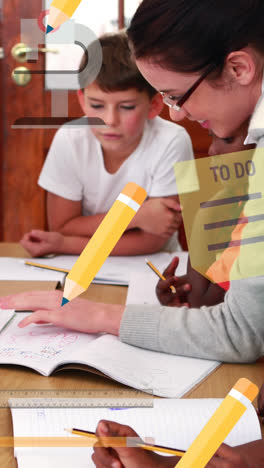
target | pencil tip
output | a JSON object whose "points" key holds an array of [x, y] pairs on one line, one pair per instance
{"points": [[64, 301], [49, 29], [67, 430]]}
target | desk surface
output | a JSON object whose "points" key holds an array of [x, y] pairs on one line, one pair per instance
{"points": [[217, 385]]}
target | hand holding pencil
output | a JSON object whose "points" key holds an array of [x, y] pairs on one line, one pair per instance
{"points": [[164, 291], [128, 457]]}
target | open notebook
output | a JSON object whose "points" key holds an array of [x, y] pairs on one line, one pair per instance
{"points": [[46, 348], [115, 270], [14, 269], [173, 423]]}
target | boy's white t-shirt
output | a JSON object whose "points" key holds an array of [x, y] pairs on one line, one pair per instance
{"points": [[74, 168]]}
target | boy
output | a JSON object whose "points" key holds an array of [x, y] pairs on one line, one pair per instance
{"points": [[87, 168]]}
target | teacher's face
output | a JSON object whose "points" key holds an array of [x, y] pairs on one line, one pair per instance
{"points": [[222, 108]]}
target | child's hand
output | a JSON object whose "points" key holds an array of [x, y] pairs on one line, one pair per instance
{"points": [[125, 457], [79, 314], [39, 243], [159, 216], [229, 457], [164, 292], [131, 457]]}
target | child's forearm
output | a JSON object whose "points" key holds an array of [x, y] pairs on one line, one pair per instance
{"points": [[81, 225], [131, 243], [84, 226], [73, 245], [137, 242]]}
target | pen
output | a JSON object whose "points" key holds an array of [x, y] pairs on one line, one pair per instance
{"points": [[159, 274], [123, 442]]}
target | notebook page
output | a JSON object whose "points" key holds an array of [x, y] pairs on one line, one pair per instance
{"points": [[163, 374], [41, 347], [142, 285], [142, 289], [14, 269], [174, 423], [44, 347]]}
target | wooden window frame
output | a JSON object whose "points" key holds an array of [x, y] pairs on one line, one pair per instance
{"points": [[121, 14]]}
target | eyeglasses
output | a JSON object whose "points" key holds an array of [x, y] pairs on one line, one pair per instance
{"points": [[170, 100]]}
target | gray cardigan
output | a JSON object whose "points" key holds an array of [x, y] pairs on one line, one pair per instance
{"points": [[232, 331]]}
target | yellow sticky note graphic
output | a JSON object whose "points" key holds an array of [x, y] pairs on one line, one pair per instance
{"points": [[223, 213]]}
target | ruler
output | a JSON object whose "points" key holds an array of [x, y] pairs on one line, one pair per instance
{"points": [[75, 399]]}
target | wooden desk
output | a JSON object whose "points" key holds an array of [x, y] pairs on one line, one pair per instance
{"points": [[217, 385]]}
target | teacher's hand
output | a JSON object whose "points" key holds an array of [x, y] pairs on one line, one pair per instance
{"points": [[79, 314]]}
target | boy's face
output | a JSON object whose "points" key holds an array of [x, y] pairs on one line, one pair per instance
{"points": [[124, 112]]}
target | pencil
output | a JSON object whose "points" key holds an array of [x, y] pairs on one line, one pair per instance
{"points": [[103, 241], [8, 322], [60, 12], [219, 425], [123, 442], [47, 267], [159, 274]]}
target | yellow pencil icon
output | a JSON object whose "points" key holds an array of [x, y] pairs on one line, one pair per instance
{"points": [[60, 12], [219, 425], [103, 241]]}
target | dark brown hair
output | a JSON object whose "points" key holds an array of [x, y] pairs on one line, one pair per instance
{"points": [[118, 72], [189, 36]]}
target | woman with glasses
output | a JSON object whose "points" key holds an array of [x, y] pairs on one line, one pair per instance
{"points": [[207, 59]]}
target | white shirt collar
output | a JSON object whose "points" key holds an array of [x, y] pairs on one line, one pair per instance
{"points": [[256, 125]]}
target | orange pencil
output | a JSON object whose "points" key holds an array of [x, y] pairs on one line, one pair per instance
{"points": [[159, 274], [123, 442], [47, 267]]}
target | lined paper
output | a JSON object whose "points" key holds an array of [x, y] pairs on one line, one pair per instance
{"points": [[174, 423]]}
